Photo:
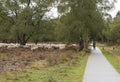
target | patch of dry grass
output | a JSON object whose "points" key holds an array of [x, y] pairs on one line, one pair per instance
{"points": [[43, 66], [20, 58]]}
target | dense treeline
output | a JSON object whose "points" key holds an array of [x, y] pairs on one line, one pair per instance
{"points": [[80, 21], [111, 33]]}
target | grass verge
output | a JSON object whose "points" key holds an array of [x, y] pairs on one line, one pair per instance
{"points": [[58, 73], [112, 58]]}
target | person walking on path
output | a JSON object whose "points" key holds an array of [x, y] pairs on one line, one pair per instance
{"points": [[94, 45]]}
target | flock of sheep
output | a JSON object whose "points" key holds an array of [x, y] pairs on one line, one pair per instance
{"points": [[34, 46]]}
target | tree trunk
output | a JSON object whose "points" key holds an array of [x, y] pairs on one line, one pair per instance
{"points": [[81, 45], [36, 41], [23, 40], [86, 45]]}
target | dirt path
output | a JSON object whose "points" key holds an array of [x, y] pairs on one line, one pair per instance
{"points": [[98, 69]]}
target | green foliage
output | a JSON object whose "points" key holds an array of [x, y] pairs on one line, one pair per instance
{"points": [[113, 31], [118, 13], [82, 18], [23, 18], [47, 31]]}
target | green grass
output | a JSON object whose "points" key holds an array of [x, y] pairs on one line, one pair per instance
{"points": [[112, 59], [58, 73]]}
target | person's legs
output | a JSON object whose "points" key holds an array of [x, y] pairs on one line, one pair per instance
{"points": [[94, 47]]}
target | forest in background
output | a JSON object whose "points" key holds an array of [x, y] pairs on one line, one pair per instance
{"points": [[23, 21]]}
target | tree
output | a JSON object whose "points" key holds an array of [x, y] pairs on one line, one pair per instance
{"points": [[4, 31], [118, 13], [114, 31], [83, 18], [46, 32], [25, 17]]}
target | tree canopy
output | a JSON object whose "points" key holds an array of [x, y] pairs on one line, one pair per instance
{"points": [[23, 21], [83, 19], [24, 17]]}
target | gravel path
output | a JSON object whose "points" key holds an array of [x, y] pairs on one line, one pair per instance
{"points": [[98, 69]]}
